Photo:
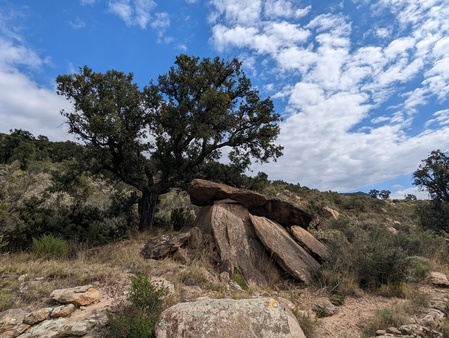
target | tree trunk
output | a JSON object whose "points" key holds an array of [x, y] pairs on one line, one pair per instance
{"points": [[146, 208]]}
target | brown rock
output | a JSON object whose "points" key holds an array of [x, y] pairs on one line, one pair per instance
{"points": [[289, 255], [11, 323], [79, 296], [261, 317], [159, 247], [196, 238], [37, 316], [63, 311], [310, 243], [331, 213], [204, 192], [238, 245]]}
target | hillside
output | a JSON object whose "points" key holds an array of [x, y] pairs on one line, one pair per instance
{"points": [[109, 266], [61, 227]]}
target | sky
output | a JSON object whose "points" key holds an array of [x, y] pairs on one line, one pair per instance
{"points": [[362, 86]]}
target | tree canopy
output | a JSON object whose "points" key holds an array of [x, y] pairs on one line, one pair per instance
{"points": [[433, 175], [160, 137]]}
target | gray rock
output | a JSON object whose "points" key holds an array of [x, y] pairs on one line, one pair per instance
{"points": [[289, 255], [261, 318], [439, 279], [310, 243], [237, 243], [161, 246]]}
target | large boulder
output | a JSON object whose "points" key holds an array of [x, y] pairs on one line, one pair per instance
{"points": [[261, 317], [310, 243], [289, 254], [237, 243], [161, 246], [204, 193]]}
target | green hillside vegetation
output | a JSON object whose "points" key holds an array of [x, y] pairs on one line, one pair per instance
{"points": [[54, 216]]}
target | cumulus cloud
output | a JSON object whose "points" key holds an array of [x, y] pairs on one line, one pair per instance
{"points": [[133, 12], [334, 135], [25, 104]]}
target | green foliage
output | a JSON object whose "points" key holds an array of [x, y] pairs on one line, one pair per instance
{"points": [[434, 215], [49, 247], [169, 129], [433, 175], [137, 320], [238, 278], [307, 324], [181, 218], [383, 319]]}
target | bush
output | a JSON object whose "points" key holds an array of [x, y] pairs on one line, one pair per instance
{"points": [[137, 320], [49, 247], [372, 259]]}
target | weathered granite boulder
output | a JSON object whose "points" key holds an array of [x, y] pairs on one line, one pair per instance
{"points": [[439, 279], [313, 246], [161, 246], [330, 213], [80, 296], [289, 254], [261, 317], [237, 243], [204, 193], [84, 312]]}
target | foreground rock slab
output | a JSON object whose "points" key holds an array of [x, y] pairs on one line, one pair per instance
{"points": [[261, 317], [287, 253]]}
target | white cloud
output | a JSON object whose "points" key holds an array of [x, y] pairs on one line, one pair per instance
{"points": [[283, 8], [133, 12], [161, 21], [77, 24], [23, 103], [87, 2], [333, 87], [241, 12]]}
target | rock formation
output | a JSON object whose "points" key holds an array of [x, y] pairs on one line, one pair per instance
{"points": [[261, 317], [251, 234]]}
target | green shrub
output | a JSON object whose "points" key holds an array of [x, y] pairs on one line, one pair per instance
{"points": [[137, 320], [372, 259], [307, 324], [238, 278], [181, 217], [382, 319], [419, 268], [49, 247]]}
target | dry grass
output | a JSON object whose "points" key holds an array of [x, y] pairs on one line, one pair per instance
{"points": [[26, 278]]}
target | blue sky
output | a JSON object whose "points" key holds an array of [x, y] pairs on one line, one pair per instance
{"points": [[362, 86]]}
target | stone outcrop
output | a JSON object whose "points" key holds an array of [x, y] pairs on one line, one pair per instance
{"points": [[260, 317], [164, 245], [250, 235], [288, 254], [237, 243], [313, 246], [82, 312], [204, 193]]}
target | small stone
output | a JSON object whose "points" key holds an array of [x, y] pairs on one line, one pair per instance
{"points": [[324, 309], [37, 316], [393, 330], [439, 279], [224, 277], [63, 311], [380, 332]]}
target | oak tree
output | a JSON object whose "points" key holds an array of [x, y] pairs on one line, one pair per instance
{"points": [[159, 137]]}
